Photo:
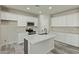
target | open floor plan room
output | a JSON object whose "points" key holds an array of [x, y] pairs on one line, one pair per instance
{"points": [[39, 29]]}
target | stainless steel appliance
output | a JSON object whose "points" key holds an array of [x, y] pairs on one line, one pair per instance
{"points": [[29, 29]]}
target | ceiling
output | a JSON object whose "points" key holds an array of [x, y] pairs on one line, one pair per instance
{"points": [[43, 9]]}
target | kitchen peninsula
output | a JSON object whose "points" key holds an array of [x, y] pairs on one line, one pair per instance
{"points": [[38, 44]]}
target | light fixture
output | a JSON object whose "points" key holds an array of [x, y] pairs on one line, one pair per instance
{"points": [[50, 7], [28, 8]]}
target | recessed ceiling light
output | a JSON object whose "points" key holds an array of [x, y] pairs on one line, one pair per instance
{"points": [[50, 7], [28, 8]]}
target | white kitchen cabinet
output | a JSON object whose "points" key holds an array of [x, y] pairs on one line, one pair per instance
{"points": [[32, 19], [21, 19], [65, 20], [59, 21], [72, 19], [38, 44], [35, 21], [24, 19], [8, 16], [68, 38]]}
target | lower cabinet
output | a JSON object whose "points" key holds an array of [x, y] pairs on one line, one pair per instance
{"points": [[42, 47], [71, 39]]}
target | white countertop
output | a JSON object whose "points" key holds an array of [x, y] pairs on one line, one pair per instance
{"points": [[38, 38]]}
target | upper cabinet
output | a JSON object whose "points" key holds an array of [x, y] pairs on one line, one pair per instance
{"points": [[35, 20], [65, 20], [72, 19], [8, 16], [21, 19], [58, 21]]}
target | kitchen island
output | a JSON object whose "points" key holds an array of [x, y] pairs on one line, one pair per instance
{"points": [[38, 44]]}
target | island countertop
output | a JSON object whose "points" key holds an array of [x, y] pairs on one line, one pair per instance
{"points": [[38, 38]]}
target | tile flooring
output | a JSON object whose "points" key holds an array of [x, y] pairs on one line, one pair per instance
{"points": [[12, 49], [60, 48]]}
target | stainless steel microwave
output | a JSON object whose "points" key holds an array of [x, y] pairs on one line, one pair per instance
{"points": [[30, 23]]}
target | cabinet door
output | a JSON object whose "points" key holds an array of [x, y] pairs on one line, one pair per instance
{"points": [[72, 20], [59, 21], [22, 21], [36, 21], [32, 19], [8, 16], [54, 21], [63, 21], [66, 20]]}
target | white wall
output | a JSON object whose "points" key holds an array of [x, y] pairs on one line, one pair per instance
{"points": [[44, 22]]}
